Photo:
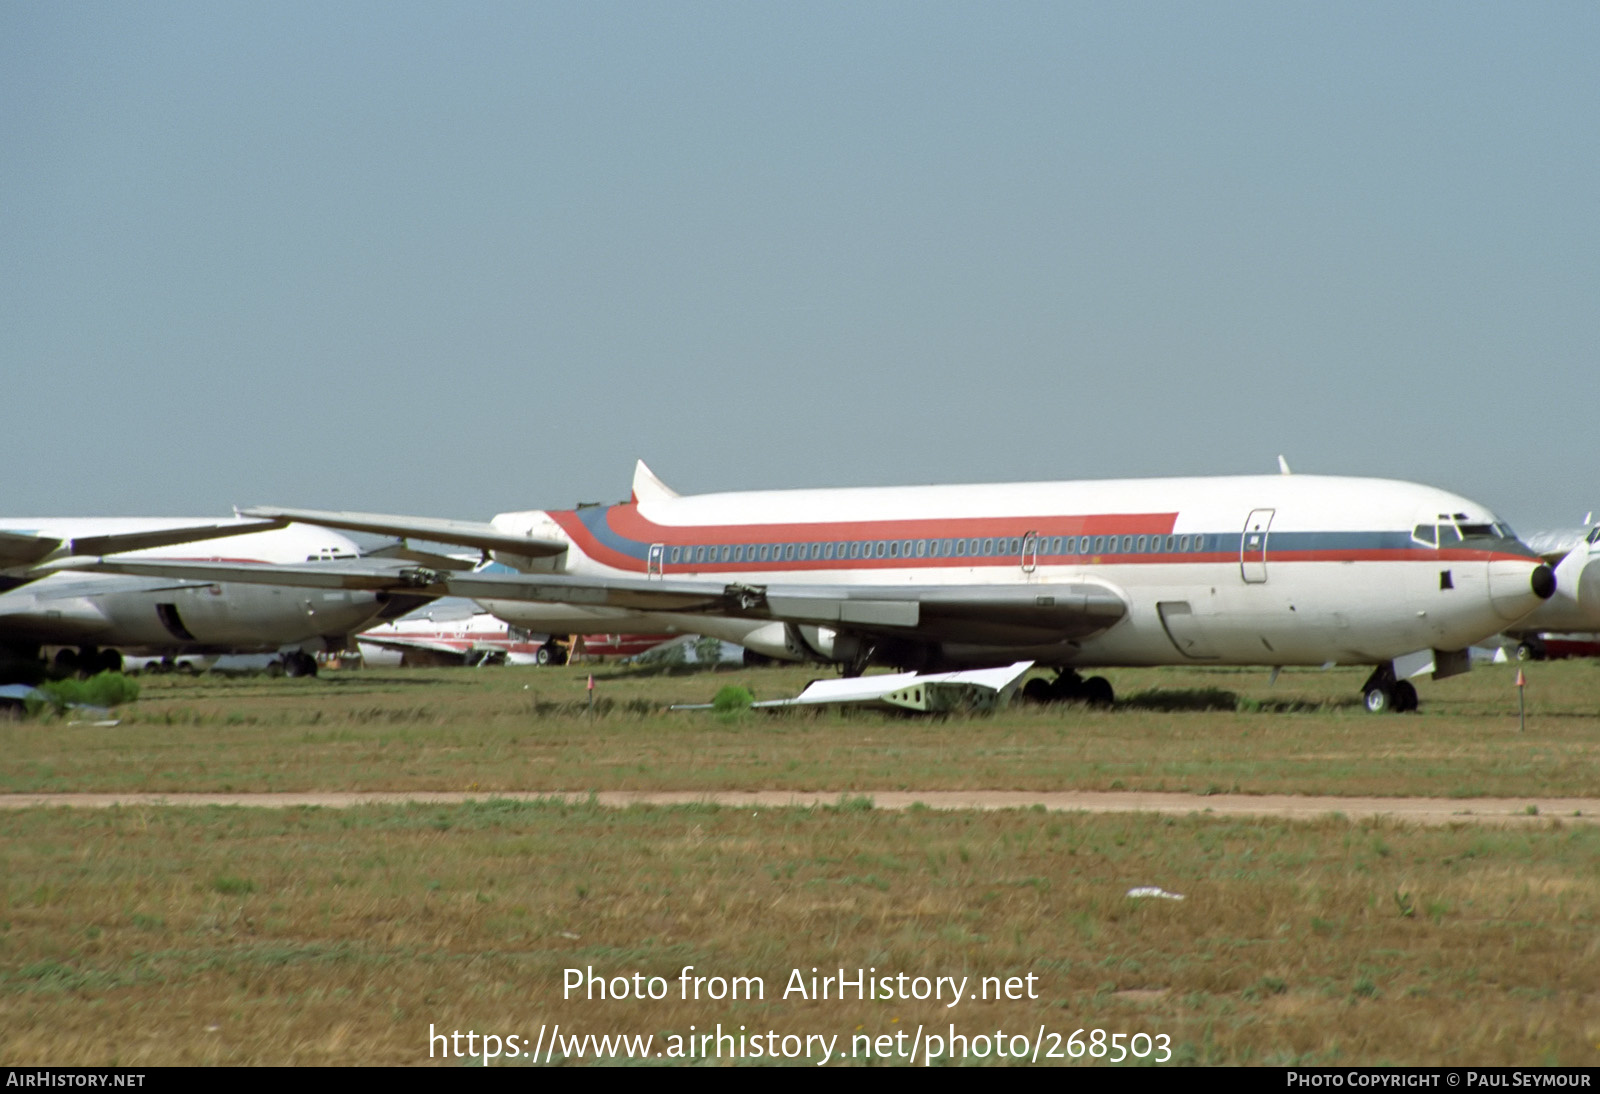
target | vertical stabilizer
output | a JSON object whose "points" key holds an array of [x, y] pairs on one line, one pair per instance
{"points": [[647, 488]]}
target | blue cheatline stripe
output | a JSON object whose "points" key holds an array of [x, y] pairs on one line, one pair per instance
{"points": [[1281, 546]]}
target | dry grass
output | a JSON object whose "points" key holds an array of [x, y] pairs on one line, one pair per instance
{"points": [[144, 936], [529, 729], [163, 936]]}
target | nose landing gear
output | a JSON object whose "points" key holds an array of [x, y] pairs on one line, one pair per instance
{"points": [[1382, 693]]}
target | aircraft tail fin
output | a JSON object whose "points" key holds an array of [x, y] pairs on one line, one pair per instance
{"points": [[646, 487]]}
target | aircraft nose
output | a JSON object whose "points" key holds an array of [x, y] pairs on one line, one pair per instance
{"points": [[1518, 586]]}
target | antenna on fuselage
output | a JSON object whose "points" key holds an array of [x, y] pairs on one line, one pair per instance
{"points": [[1283, 465]]}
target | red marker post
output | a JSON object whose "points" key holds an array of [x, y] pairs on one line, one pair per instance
{"points": [[1522, 707], [591, 689]]}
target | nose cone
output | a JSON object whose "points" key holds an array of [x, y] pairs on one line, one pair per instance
{"points": [[1519, 585]]}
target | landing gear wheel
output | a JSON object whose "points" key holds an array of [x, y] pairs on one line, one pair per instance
{"points": [[275, 668], [1378, 699], [1038, 690], [299, 663], [1405, 697], [1097, 692]]}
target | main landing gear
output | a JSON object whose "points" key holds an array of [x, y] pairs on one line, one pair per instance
{"points": [[1382, 693], [1069, 687], [86, 661]]}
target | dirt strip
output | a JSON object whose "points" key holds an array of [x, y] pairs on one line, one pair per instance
{"points": [[1497, 811]]}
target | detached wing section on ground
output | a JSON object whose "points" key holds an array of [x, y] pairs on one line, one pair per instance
{"points": [[1018, 614], [938, 693]]}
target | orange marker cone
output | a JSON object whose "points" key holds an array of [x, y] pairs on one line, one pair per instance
{"points": [[1522, 706]]}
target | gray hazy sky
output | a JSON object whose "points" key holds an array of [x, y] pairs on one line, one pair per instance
{"points": [[456, 259]]}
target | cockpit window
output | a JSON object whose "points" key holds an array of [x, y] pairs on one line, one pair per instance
{"points": [[1448, 535], [1594, 536], [1423, 533], [1470, 530]]}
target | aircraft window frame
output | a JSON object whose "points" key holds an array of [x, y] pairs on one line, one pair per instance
{"points": [[788, 552], [1127, 544], [1448, 534], [1425, 534], [988, 546], [1477, 530], [894, 548], [761, 552], [922, 548], [1140, 544], [961, 548]]}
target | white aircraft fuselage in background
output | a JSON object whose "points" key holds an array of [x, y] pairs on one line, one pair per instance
{"points": [[1574, 610], [1266, 570], [156, 616]]}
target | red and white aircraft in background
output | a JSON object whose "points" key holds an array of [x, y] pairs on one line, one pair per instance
{"points": [[449, 637], [1261, 570]]}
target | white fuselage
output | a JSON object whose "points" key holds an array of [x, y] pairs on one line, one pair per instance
{"points": [[1276, 570]]}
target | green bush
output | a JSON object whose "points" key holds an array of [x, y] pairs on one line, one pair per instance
{"points": [[732, 699], [105, 689]]}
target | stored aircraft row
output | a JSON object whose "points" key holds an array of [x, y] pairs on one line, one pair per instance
{"points": [[97, 617], [1259, 570]]}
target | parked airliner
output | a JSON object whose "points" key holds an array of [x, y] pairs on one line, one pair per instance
{"points": [[1263, 570], [95, 617]]}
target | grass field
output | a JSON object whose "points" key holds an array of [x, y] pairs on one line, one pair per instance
{"points": [[149, 935], [530, 729]]}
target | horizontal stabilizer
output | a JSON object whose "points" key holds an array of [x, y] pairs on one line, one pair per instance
{"points": [[468, 533]]}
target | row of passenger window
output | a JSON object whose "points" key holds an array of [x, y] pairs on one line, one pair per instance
{"points": [[986, 547]]}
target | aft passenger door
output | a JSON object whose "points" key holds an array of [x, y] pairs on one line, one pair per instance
{"points": [[1030, 553], [1253, 546]]}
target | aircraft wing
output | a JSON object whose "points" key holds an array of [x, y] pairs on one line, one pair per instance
{"points": [[972, 613], [17, 549], [468, 533], [356, 573]]}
